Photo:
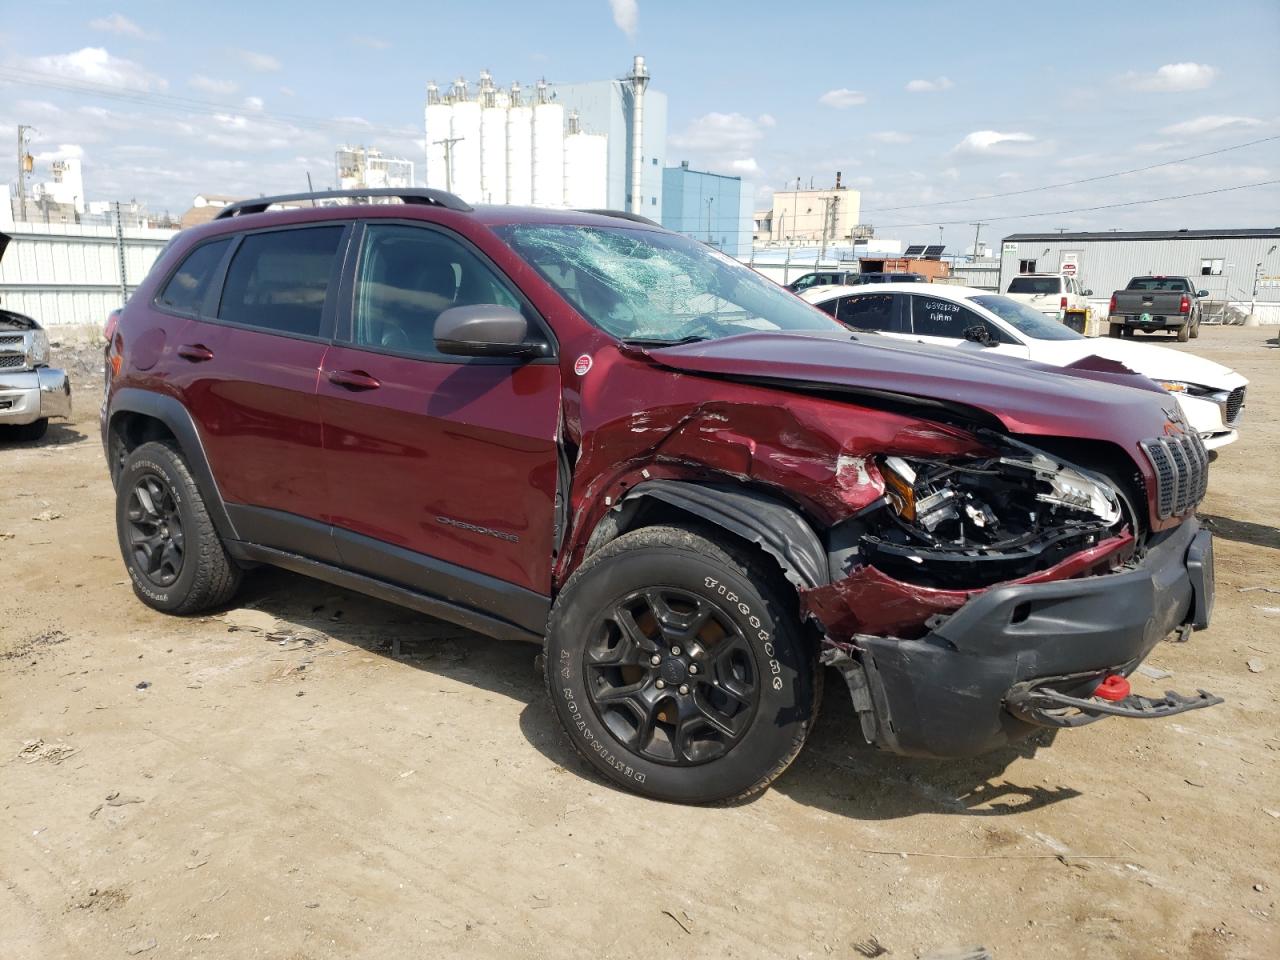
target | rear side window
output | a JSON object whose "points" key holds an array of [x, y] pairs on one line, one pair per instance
{"points": [[186, 289], [872, 311], [277, 281]]}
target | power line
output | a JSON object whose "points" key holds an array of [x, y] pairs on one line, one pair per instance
{"points": [[1104, 206], [1073, 183]]}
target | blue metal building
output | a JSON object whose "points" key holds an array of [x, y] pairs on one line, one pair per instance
{"points": [[710, 207]]}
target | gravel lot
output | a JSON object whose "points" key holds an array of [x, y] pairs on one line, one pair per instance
{"points": [[273, 782]]}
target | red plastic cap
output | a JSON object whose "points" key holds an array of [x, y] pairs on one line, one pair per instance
{"points": [[1113, 687]]}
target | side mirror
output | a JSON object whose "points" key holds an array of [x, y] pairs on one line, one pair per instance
{"points": [[1202, 293], [483, 330], [979, 334], [1088, 293]]}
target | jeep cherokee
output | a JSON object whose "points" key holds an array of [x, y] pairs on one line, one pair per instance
{"points": [[693, 488]]}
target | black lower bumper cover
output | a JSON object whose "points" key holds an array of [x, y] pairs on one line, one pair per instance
{"points": [[1020, 657]]}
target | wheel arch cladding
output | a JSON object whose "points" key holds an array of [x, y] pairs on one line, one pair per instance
{"points": [[131, 416], [773, 526]]}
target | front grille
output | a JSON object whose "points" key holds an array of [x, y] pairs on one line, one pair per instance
{"points": [[1235, 400], [1182, 473], [9, 361], [11, 339]]}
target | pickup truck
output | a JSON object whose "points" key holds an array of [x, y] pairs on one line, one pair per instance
{"points": [[1056, 295], [1157, 303], [31, 391]]}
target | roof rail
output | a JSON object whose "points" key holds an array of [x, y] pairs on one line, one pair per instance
{"points": [[435, 198], [623, 215]]}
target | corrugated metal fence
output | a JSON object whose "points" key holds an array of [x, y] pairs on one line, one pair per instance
{"points": [[69, 274]]}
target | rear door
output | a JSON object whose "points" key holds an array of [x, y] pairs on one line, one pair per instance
{"points": [[442, 469], [942, 323], [247, 366], [872, 313]]}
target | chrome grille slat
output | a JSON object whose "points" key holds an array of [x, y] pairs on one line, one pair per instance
{"points": [[1235, 400], [10, 361]]}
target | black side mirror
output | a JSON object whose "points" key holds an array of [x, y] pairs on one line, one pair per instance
{"points": [[979, 334], [484, 330], [1088, 293], [1202, 293]]}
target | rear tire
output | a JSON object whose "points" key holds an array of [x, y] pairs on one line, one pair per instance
{"points": [[1117, 329], [730, 701], [1195, 331], [1184, 333], [174, 556]]}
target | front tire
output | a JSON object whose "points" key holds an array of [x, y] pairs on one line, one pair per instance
{"points": [[31, 432], [174, 556], [678, 669]]}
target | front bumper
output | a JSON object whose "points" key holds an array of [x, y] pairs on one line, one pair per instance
{"points": [[949, 693], [34, 395]]}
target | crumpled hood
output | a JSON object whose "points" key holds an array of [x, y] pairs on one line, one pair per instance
{"points": [[1148, 359], [1026, 397]]}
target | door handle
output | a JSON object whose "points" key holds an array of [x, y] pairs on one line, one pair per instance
{"points": [[354, 380], [195, 352]]}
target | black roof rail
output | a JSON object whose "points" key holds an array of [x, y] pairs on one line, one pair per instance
{"points": [[424, 195], [623, 215]]}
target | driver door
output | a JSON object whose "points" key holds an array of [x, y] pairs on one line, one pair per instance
{"points": [[440, 467]]}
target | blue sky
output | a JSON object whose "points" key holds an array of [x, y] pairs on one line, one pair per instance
{"points": [[914, 105]]}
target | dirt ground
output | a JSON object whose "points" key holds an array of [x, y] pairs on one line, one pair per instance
{"points": [[273, 782]]}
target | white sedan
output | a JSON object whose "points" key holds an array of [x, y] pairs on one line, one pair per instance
{"points": [[1211, 395]]}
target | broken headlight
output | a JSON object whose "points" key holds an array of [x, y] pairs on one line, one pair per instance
{"points": [[972, 522]]}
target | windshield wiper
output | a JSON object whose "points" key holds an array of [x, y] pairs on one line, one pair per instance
{"points": [[659, 341]]}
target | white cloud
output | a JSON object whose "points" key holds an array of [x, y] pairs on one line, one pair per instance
{"points": [[65, 151], [929, 86], [1208, 124], [120, 25], [253, 103], [1172, 78], [891, 136], [95, 65], [220, 88], [287, 92], [723, 142], [262, 62], [626, 16], [843, 98], [371, 43], [992, 142]]}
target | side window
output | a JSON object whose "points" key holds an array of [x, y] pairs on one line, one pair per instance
{"points": [[407, 277], [186, 289], [931, 317], [807, 281], [872, 311], [277, 281], [829, 306]]}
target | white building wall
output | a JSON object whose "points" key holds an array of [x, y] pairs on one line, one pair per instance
{"points": [[548, 155], [520, 156], [466, 150], [493, 155], [586, 171]]}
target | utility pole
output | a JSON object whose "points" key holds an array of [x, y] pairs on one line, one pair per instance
{"points": [[448, 143], [24, 167], [124, 290], [710, 200], [977, 232], [940, 243]]}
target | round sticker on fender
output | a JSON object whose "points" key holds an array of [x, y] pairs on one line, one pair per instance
{"points": [[582, 365]]}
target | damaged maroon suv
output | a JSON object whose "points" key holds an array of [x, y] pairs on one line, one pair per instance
{"points": [[696, 490]]}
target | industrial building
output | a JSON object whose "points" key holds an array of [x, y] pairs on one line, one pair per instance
{"points": [[710, 207], [363, 167], [494, 147], [1239, 268], [829, 215]]}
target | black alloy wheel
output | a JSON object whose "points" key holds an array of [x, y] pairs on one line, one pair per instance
{"points": [[156, 535], [672, 676]]}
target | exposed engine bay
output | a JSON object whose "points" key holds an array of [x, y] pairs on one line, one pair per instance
{"points": [[966, 523]]}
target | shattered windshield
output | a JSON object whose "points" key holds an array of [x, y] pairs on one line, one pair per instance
{"points": [[1025, 320], [652, 287]]}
